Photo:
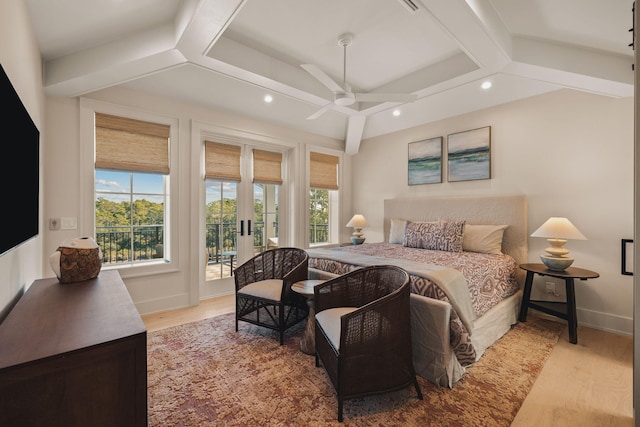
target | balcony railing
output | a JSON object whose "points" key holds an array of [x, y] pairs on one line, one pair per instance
{"points": [[140, 243], [126, 244]]}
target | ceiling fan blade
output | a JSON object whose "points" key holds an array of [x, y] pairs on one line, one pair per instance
{"points": [[321, 111], [323, 78], [385, 97]]}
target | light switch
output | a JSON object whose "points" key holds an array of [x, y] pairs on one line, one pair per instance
{"points": [[68, 223]]}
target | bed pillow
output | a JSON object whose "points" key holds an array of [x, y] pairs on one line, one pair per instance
{"points": [[396, 233], [486, 239], [439, 236]]}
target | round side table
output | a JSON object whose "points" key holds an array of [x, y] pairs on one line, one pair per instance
{"points": [[563, 310], [308, 340]]}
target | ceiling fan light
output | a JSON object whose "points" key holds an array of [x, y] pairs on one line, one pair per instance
{"points": [[344, 99]]}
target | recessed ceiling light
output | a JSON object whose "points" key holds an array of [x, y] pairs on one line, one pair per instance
{"points": [[396, 113], [486, 85], [268, 98]]}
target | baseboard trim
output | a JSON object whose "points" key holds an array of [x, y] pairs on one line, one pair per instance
{"points": [[173, 302], [605, 322]]}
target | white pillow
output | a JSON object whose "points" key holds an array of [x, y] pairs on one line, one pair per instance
{"points": [[486, 239], [396, 233]]}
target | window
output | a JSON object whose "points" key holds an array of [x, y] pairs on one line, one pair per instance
{"points": [[265, 217], [221, 217], [267, 178], [222, 175], [131, 182], [323, 183], [318, 216]]}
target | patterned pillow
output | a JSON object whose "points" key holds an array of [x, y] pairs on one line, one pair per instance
{"points": [[442, 236]]}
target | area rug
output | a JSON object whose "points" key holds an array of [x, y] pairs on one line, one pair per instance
{"points": [[206, 374]]}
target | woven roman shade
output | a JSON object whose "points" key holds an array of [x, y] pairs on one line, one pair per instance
{"points": [[222, 161], [131, 145], [323, 171], [267, 167]]}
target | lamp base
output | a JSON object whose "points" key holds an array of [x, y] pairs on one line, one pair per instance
{"points": [[556, 263], [357, 240]]}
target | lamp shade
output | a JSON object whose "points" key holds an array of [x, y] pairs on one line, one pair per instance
{"points": [[557, 231], [358, 221], [558, 228]]}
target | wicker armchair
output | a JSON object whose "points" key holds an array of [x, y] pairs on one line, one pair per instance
{"points": [[363, 332], [263, 289]]}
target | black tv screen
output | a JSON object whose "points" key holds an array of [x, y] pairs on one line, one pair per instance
{"points": [[20, 170]]}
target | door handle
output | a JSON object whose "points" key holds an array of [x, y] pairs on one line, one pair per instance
{"points": [[248, 227], [242, 227]]}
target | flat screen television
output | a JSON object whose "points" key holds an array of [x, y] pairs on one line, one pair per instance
{"points": [[20, 171]]}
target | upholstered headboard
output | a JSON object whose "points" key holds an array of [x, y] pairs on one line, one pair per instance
{"points": [[494, 210]]}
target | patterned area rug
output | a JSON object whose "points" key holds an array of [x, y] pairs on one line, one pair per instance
{"points": [[206, 374]]}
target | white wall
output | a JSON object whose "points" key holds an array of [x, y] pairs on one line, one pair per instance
{"points": [[20, 58], [570, 153]]}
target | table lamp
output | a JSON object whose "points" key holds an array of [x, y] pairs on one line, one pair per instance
{"points": [[357, 222], [557, 231]]}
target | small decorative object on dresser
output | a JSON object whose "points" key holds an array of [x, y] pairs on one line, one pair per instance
{"points": [[76, 260], [357, 222]]}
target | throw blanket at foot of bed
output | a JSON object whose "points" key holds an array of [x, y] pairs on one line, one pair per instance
{"points": [[440, 283]]}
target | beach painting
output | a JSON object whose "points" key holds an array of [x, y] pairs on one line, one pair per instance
{"points": [[425, 161], [469, 155]]}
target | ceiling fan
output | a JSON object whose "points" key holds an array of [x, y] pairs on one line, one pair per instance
{"points": [[342, 94]]}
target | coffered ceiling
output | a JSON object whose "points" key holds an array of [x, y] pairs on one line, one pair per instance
{"points": [[229, 54]]}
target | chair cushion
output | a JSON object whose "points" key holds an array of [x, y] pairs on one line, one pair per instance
{"points": [[329, 321], [268, 289]]}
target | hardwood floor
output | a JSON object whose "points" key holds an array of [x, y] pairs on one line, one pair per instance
{"points": [[586, 384], [207, 308]]}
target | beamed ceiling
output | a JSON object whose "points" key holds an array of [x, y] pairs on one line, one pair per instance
{"points": [[228, 54]]}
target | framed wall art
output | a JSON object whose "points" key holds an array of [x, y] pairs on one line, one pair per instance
{"points": [[469, 155], [425, 161]]}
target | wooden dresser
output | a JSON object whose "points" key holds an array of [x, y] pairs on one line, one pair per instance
{"points": [[74, 354]]}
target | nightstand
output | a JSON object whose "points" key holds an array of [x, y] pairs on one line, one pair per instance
{"points": [[563, 310]]}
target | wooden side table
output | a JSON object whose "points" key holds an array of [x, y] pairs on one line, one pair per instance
{"points": [[563, 310], [308, 340]]}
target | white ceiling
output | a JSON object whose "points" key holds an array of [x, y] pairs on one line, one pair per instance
{"points": [[227, 54]]}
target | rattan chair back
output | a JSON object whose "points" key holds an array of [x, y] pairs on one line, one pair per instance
{"points": [[281, 311], [374, 354]]}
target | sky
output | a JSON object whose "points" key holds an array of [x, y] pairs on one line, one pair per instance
{"points": [[120, 183]]}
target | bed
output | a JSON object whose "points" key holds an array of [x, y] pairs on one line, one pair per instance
{"points": [[462, 254]]}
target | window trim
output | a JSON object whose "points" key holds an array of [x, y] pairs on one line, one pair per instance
{"points": [[336, 196], [88, 108]]}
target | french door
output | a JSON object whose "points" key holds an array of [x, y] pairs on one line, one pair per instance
{"points": [[241, 220]]}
